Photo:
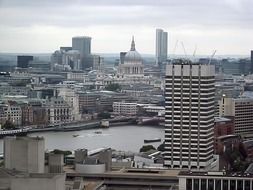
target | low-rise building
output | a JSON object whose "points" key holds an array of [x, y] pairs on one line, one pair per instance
{"points": [[33, 113], [124, 108], [222, 127], [14, 180], [242, 111], [11, 111]]}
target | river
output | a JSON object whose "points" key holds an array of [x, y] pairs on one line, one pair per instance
{"points": [[126, 138]]}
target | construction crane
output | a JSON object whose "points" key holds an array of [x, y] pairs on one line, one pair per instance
{"points": [[182, 43], [195, 50], [212, 57]]}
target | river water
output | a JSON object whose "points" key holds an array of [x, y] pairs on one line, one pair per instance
{"points": [[126, 138]]}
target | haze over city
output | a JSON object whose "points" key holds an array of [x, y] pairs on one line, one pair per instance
{"points": [[42, 26]]}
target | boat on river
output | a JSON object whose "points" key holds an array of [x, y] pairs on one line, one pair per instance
{"points": [[98, 132], [152, 140]]}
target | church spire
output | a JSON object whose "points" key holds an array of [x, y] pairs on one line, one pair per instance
{"points": [[132, 44]]}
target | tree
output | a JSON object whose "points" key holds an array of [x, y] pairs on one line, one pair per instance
{"points": [[104, 115], [113, 87], [64, 152], [8, 125], [146, 148], [161, 147]]}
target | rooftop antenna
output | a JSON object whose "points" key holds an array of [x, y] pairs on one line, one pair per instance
{"points": [[210, 59]]}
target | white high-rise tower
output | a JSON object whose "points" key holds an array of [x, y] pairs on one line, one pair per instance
{"points": [[189, 118], [161, 46]]}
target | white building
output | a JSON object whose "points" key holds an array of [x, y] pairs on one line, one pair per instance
{"points": [[25, 154], [189, 117], [71, 97], [77, 76], [58, 110], [160, 110], [124, 108], [161, 46]]}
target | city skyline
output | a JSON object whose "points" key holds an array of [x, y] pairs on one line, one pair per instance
{"points": [[218, 25]]}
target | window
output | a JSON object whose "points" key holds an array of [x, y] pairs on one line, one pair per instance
{"points": [[203, 184], [210, 184], [189, 184], [232, 185]]}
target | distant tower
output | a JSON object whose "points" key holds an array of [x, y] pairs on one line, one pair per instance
{"points": [[82, 44], [161, 46], [189, 117], [251, 67], [24, 60]]}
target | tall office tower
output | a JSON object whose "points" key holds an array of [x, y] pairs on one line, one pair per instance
{"points": [[251, 65], [24, 60], [82, 44], [161, 46], [189, 117]]}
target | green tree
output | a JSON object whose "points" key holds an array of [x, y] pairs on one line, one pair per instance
{"points": [[161, 147], [146, 148], [104, 115], [8, 125], [64, 152], [113, 87]]}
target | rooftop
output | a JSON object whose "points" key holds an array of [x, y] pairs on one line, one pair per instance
{"points": [[221, 119], [218, 174]]}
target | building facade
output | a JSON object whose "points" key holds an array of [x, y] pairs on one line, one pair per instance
{"points": [[58, 110], [24, 154], [161, 46], [72, 58], [11, 112], [189, 115], [214, 181], [132, 66], [124, 108], [23, 61], [82, 44], [242, 111], [251, 65]]}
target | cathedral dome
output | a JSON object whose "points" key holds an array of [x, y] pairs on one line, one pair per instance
{"points": [[132, 56]]}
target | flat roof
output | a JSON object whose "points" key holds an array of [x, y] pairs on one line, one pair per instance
{"points": [[213, 174], [221, 119]]}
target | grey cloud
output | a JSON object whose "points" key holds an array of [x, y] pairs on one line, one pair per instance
{"points": [[114, 12], [174, 15]]}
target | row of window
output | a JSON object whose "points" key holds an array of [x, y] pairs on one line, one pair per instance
{"points": [[218, 184]]}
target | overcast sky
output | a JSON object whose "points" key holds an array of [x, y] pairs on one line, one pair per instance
{"points": [[42, 26]]}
